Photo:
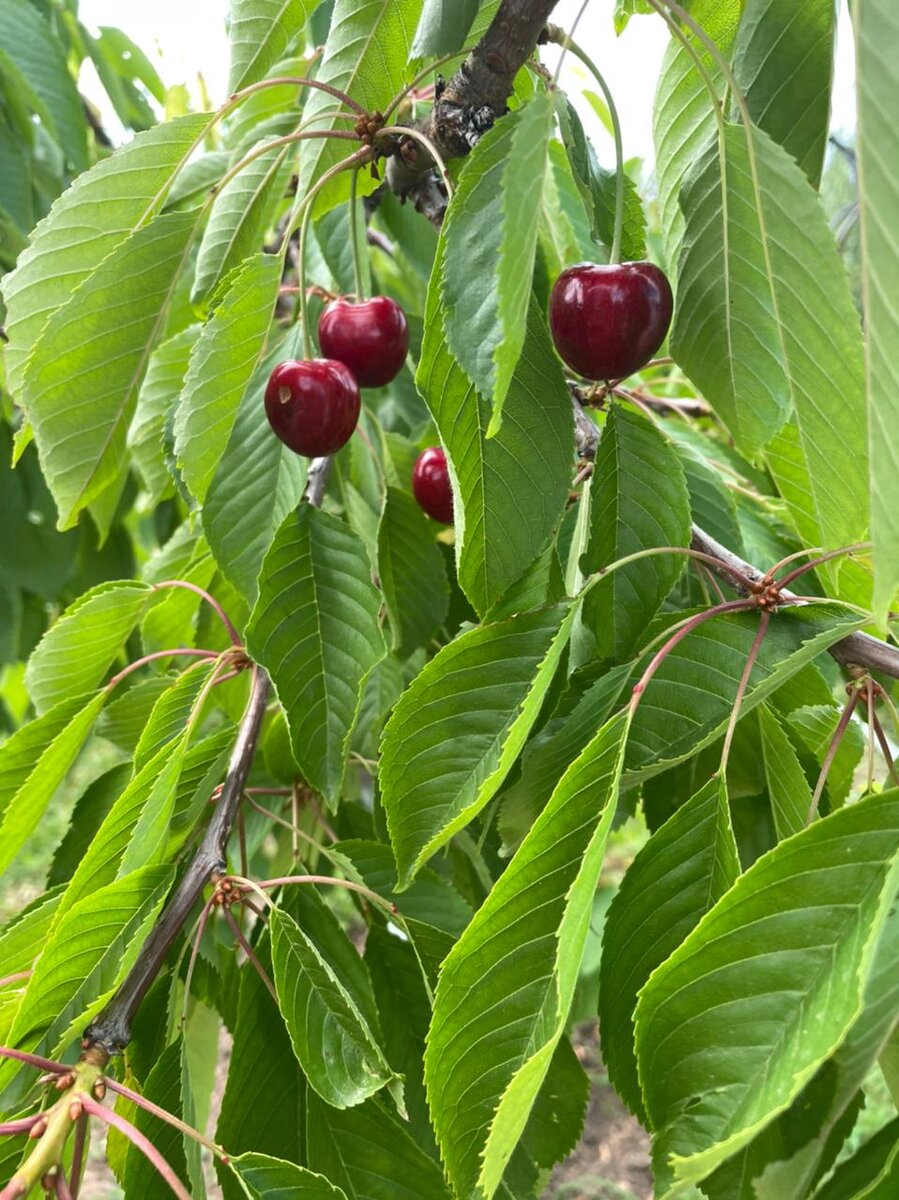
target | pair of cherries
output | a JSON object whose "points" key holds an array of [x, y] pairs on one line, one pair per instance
{"points": [[313, 405]]}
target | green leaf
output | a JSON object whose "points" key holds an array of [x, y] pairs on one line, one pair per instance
{"points": [[768, 985], [458, 728], [689, 700], [38, 758], [370, 1154], [547, 755], [509, 491], [872, 1173], [258, 481], [66, 247], [808, 1126], [597, 187], [443, 27], [32, 46], [506, 987], [325, 998], [315, 630], [157, 397], [240, 216], [744, 341], [84, 956], [489, 242], [82, 379], [90, 811], [76, 652], [162, 1087], [639, 502], [262, 1065], [366, 57], [222, 363], [274, 1179], [811, 727], [261, 31], [411, 571], [783, 62], [685, 867], [23, 937], [791, 796], [877, 33]]}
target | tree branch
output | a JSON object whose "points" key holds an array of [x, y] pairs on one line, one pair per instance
{"points": [[470, 103], [110, 1032], [855, 650]]}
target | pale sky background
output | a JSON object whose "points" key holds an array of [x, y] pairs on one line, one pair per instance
{"points": [[182, 37]]}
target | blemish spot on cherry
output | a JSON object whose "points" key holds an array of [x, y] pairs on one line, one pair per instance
{"points": [[370, 336], [607, 321], [313, 405], [431, 485]]}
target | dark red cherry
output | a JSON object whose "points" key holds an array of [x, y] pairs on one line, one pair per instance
{"points": [[431, 485], [313, 406], [370, 336], [608, 321]]}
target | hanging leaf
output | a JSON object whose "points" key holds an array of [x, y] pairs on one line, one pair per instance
{"points": [[273, 1179], [531, 930], [455, 733], [443, 27], [158, 396], [66, 249], [685, 867], [634, 462], [222, 363], [261, 31], [791, 796], [325, 999], [783, 63], [877, 32], [489, 244], [411, 571], [765, 955], [315, 630], [77, 651]]}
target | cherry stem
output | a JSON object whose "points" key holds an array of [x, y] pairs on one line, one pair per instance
{"points": [[831, 754], [34, 1060], [753, 654], [354, 236], [17, 978], [817, 562], [80, 1143], [163, 1114], [195, 950], [884, 748], [210, 600], [298, 81], [63, 1191], [179, 651], [326, 880], [698, 555], [134, 1135], [22, 1125], [418, 136], [567, 43], [685, 630], [251, 955], [869, 704]]}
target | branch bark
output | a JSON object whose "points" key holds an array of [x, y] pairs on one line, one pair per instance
{"points": [[110, 1032], [856, 650], [470, 103]]}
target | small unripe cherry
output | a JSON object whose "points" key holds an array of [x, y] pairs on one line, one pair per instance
{"points": [[313, 405], [607, 321], [431, 485], [370, 336]]}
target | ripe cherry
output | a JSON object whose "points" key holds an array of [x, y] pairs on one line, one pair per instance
{"points": [[608, 321], [431, 485], [313, 406], [370, 336]]}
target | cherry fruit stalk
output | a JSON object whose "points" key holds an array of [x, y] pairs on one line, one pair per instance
{"points": [[313, 405], [370, 336], [607, 321], [431, 485]]}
